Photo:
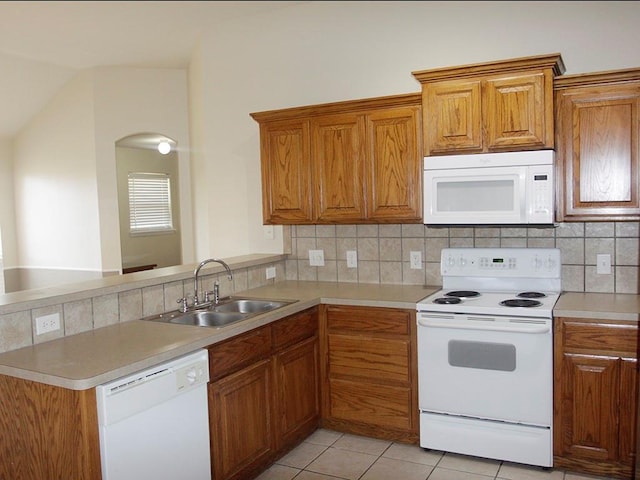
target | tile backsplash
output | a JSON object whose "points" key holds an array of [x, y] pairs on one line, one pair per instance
{"points": [[383, 251], [101, 307]]}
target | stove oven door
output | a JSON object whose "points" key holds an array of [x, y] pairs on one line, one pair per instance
{"points": [[486, 367]]}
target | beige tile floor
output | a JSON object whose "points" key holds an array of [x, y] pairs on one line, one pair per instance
{"points": [[329, 455]]}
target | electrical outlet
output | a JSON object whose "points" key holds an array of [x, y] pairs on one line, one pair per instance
{"points": [[47, 323], [415, 259], [270, 272], [268, 232], [316, 258], [603, 264], [352, 259]]}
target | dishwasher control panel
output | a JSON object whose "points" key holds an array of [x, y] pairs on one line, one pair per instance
{"points": [[192, 374]]}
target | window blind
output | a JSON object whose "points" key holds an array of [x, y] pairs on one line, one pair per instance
{"points": [[149, 202]]}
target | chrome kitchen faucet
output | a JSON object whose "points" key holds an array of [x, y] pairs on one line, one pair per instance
{"points": [[216, 292]]}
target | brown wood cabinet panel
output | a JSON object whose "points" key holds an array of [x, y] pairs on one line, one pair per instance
{"points": [[379, 405], [516, 114], [595, 396], [47, 432], [580, 335], [242, 436], [369, 372], [590, 401], [394, 165], [495, 106], [453, 116], [231, 355], [295, 328], [628, 410], [298, 392], [364, 159], [598, 146], [337, 156], [286, 171], [375, 359], [367, 321]]}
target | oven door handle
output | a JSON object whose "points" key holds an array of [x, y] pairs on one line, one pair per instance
{"points": [[485, 326]]}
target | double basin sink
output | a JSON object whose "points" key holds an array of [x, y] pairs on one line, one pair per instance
{"points": [[229, 310]]}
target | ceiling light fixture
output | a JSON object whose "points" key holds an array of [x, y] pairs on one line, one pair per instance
{"points": [[164, 147]]}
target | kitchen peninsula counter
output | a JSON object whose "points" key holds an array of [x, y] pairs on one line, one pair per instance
{"points": [[602, 306], [88, 359]]}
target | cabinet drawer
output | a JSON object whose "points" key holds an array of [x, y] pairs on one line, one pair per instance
{"points": [[382, 405], [618, 337], [376, 359], [369, 320], [295, 328], [233, 354]]}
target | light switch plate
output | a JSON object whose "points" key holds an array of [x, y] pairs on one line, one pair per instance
{"points": [[603, 264], [270, 272], [352, 259], [415, 260], [316, 258]]}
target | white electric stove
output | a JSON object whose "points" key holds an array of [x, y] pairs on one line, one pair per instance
{"points": [[485, 354]]}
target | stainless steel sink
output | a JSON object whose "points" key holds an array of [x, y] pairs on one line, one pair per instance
{"points": [[247, 305], [228, 311], [207, 318]]}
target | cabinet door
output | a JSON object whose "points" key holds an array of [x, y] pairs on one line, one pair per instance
{"points": [[394, 165], [241, 422], [338, 167], [286, 172], [297, 389], [452, 117], [589, 400], [515, 112], [598, 153]]}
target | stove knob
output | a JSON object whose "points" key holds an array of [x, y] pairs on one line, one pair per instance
{"points": [[550, 263], [463, 261]]}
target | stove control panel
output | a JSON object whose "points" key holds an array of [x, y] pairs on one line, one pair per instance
{"points": [[501, 262]]}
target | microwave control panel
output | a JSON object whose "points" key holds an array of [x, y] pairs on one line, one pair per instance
{"points": [[541, 193]]}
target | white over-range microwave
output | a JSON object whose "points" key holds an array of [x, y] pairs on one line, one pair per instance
{"points": [[489, 189]]}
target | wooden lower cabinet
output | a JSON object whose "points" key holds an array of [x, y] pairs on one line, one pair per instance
{"points": [[298, 398], [595, 396], [47, 432], [369, 372], [241, 426], [263, 395]]}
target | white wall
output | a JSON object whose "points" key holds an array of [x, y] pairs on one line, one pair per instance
{"points": [[7, 210], [130, 101], [55, 184], [320, 52], [65, 167]]}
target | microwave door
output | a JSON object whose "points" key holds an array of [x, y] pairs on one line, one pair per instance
{"points": [[475, 196]]}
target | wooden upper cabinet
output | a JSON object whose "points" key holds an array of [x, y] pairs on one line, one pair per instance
{"points": [[452, 111], [490, 107], [358, 161], [598, 146], [286, 171], [394, 165], [337, 157]]}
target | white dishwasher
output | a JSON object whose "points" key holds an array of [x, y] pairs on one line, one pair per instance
{"points": [[155, 423]]}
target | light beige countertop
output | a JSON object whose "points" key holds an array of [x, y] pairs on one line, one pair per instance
{"points": [[606, 306], [88, 359]]}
